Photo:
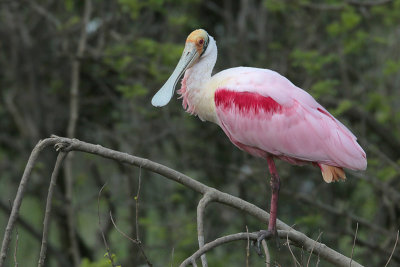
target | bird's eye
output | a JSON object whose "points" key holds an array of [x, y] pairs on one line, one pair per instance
{"points": [[200, 41]]}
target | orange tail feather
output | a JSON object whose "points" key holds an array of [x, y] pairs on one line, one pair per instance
{"points": [[332, 173]]}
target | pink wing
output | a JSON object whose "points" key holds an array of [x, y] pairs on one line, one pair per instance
{"points": [[263, 112]]}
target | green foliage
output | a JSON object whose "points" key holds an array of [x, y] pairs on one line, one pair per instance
{"points": [[312, 61], [389, 14], [356, 42], [348, 21], [391, 67], [104, 262], [132, 91], [324, 88], [366, 200], [313, 221], [275, 5], [378, 102], [387, 173], [343, 106]]}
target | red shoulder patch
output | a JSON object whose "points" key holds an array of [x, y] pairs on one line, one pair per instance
{"points": [[246, 102]]}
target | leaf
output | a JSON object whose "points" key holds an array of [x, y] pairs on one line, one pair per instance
{"points": [[324, 87], [312, 61], [350, 19], [343, 106], [391, 67], [132, 91]]}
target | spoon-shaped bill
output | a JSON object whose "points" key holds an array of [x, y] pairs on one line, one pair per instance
{"points": [[164, 95]]}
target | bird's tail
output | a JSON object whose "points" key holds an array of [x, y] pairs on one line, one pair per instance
{"points": [[332, 173]]}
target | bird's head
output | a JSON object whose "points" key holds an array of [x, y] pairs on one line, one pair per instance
{"points": [[195, 48]]}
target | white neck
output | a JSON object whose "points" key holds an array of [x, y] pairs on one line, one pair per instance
{"points": [[197, 96]]}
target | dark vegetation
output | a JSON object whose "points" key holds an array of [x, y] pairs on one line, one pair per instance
{"points": [[345, 53]]}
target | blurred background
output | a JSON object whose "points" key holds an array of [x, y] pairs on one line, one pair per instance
{"points": [[344, 53]]}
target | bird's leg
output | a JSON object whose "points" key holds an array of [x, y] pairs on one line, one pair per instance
{"points": [[275, 185]]}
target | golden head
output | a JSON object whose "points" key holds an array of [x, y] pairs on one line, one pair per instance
{"points": [[200, 39]]}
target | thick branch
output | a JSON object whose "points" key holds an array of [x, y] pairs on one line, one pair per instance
{"points": [[75, 145]]}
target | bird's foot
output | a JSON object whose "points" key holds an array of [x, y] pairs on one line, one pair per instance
{"points": [[265, 235]]}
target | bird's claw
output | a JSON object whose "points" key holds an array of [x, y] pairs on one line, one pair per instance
{"points": [[62, 146], [265, 235]]}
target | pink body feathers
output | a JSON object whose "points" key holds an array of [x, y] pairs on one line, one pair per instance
{"points": [[263, 113]]}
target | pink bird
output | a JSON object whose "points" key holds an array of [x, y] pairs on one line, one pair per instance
{"points": [[264, 114]]}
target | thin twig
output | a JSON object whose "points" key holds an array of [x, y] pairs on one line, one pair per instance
{"points": [[312, 249], [354, 244], [172, 256], [101, 229], [394, 247], [36, 235], [266, 252], [16, 247], [46, 221], [291, 252], [247, 247], [135, 241], [137, 203], [16, 241]]}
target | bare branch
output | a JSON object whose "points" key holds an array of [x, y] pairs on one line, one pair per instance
{"points": [[247, 247], [16, 243], [266, 252], [46, 222], [312, 249], [45, 13], [135, 241], [101, 230], [137, 204], [394, 247], [291, 252], [354, 244], [67, 144], [16, 247], [37, 236], [20, 194], [206, 199], [217, 242], [71, 129]]}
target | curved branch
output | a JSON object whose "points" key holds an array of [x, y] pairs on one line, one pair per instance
{"points": [[204, 201], [46, 222], [217, 242], [20, 194], [67, 144]]}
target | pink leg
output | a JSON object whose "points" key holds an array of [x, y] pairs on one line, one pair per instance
{"points": [[275, 184]]}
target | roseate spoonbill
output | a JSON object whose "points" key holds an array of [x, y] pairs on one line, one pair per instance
{"points": [[264, 114]]}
